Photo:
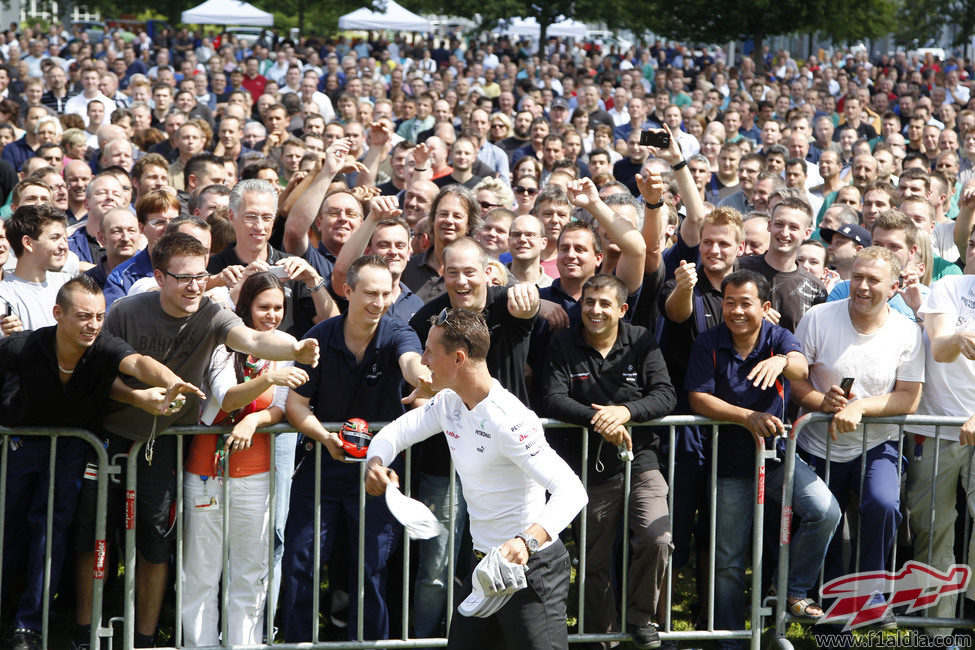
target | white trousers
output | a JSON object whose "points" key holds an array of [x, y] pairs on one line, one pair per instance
{"points": [[248, 538]]}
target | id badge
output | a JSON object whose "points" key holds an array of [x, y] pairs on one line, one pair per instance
{"points": [[205, 502]]}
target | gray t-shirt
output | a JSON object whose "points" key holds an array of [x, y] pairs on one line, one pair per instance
{"points": [[32, 302], [184, 345]]}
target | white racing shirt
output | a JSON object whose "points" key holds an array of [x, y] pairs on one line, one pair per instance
{"points": [[504, 461]]}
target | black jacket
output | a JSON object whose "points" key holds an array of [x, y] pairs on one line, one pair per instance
{"points": [[633, 375]]}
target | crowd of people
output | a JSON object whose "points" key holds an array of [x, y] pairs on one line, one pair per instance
{"points": [[461, 236]]}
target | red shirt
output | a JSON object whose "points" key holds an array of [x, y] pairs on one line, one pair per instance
{"points": [[254, 85]]}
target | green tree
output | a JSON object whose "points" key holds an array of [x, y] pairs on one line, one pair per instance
{"points": [[718, 21], [921, 20]]}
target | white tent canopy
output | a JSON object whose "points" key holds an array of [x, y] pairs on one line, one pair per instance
{"points": [[393, 17], [566, 27], [227, 12]]}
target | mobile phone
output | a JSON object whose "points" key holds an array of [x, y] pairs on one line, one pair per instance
{"points": [[7, 310], [279, 272], [846, 385], [656, 138]]}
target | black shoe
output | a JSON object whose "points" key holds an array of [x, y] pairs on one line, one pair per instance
{"points": [[23, 639], [644, 636], [669, 645]]}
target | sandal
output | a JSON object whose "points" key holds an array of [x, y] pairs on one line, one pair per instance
{"points": [[805, 608]]}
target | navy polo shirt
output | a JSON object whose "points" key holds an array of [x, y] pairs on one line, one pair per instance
{"points": [[320, 259], [715, 367], [340, 388]]}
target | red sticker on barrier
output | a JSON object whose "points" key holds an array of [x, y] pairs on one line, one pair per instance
{"points": [[99, 559], [761, 485], [129, 509], [785, 530]]}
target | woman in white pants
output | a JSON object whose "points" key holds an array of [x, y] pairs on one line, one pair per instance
{"points": [[248, 393]]}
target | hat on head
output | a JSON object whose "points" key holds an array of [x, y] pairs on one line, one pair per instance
{"points": [[853, 231], [560, 102]]}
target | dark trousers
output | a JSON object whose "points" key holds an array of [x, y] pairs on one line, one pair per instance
{"points": [[534, 618], [879, 506], [25, 523], [340, 499], [650, 544]]}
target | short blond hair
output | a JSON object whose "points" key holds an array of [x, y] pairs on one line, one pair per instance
{"points": [[880, 254]]}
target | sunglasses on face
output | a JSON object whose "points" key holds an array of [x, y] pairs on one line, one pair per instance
{"points": [[521, 189]]}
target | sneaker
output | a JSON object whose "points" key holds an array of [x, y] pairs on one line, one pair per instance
{"points": [[644, 636], [24, 639], [339, 609], [888, 622]]}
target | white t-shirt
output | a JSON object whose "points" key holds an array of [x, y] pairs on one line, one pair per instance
{"points": [[221, 377], [33, 302], [943, 241], [949, 388], [503, 459], [876, 361]]}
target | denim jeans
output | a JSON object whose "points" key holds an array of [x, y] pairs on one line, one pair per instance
{"points": [[879, 507], [819, 514], [430, 593]]}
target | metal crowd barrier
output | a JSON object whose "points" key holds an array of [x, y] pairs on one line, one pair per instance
{"points": [[782, 617], [104, 471], [751, 632]]}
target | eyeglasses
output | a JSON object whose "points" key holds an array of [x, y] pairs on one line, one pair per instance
{"points": [[253, 219], [160, 222], [517, 234], [521, 189], [186, 280], [487, 205]]}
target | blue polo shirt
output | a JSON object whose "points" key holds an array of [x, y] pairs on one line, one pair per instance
{"points": [[715, 367], [17, 153], [339, 388], [123, 276]]}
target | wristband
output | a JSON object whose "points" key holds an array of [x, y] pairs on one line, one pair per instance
{"points": [[679, 165], [786, 357], [653, 206], [318, 286]]}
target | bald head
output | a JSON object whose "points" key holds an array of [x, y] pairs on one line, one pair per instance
{"points": [[110, 132]]}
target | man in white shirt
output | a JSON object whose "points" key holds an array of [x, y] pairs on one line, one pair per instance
{"points": [[78, 105], [36, 235], [949, 375], [882, 350], [505, 465]]}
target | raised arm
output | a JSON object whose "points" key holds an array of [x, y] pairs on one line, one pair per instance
{"points": [[306, 208], [690, 228], [651, 189], [680, 303], [583, 194], [378, 138], [274, 345], [964, 221], [381, 207], [152, 373]]}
